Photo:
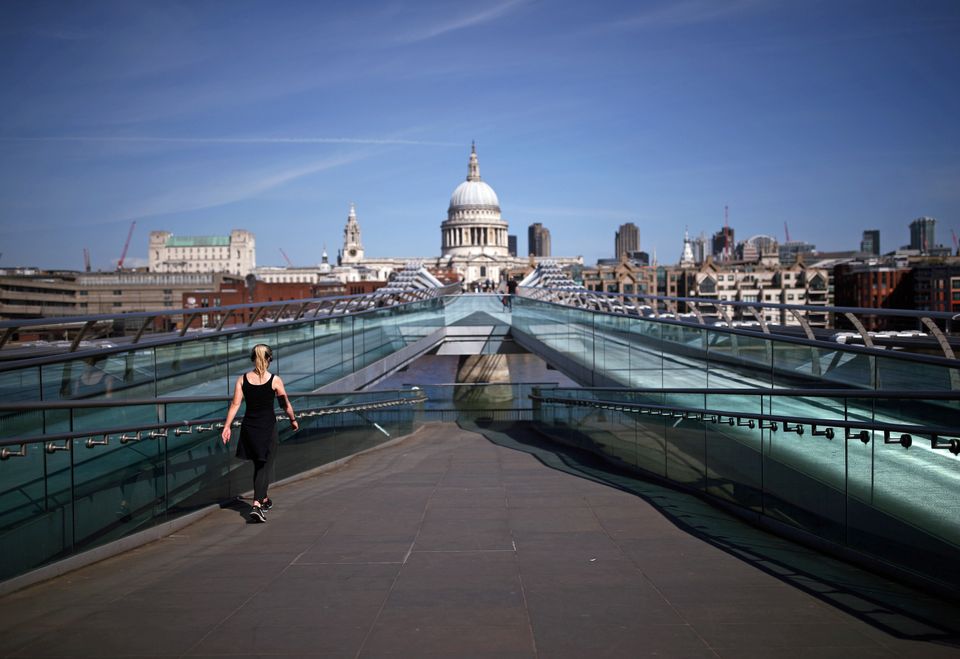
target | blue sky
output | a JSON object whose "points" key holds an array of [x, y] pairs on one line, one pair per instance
{"points": [[198, 117]]}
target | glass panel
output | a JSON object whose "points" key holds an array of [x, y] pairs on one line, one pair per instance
{"points": [[194, 368], [804, 475], [734, 450], [906, 375], [683, 359], [686, 443], [34, 527], [293, 357], [21, 384]]}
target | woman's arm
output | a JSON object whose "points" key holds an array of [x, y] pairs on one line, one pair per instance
{"points": [[285, 402], [232, 411]]}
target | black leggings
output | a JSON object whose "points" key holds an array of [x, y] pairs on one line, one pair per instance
{"points": [[263, 472]]}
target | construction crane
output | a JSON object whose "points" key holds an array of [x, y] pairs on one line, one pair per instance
{"points": [[286, 258], [956, 244], [86, 260], [786, 231], [126, 246]]}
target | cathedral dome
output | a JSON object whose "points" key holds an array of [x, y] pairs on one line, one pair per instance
{"points": [[474, 194]]}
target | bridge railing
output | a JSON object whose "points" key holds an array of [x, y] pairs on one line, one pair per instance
{"points": [[79, 332], [867, 472], [933, 332], [98, 471], [309, 352], [604, 348]]}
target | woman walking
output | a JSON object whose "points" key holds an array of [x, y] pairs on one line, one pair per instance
{"points": [[258, 430]]}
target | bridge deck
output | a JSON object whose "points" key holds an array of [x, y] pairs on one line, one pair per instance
{"points": [[453, 544]]}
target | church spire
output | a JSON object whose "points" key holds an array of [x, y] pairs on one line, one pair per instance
{"points": [[473, 170]]}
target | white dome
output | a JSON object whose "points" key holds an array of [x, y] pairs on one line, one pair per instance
{"points": [[474, 194]]}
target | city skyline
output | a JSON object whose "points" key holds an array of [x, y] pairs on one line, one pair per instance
{"points": [[199, 119]]}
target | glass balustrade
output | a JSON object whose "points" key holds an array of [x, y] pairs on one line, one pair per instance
{"points": [[60, 495]]}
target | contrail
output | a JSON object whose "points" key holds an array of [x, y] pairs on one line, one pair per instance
{"points": [[231, 140]]}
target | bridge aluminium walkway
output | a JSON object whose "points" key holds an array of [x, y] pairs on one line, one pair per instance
{"points": [[451, 543]]}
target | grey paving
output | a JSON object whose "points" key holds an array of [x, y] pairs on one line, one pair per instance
{"points": [[452, 544]]}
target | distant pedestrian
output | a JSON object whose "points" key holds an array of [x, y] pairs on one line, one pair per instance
{"points": [[258, 430], [511, 291]]}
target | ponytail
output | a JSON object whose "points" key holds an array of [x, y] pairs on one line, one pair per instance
{"points": [[261, 356]]}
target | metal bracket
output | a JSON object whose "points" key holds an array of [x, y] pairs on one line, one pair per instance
{"points": [[768, 426], [863, 435], [6, 453], [91, 442], [906, 441], [953, 445], [749, 423], [52, 447], [135, 437], [188, 430], [796, 427], [158, 434], [828, 433], [203, 428]]}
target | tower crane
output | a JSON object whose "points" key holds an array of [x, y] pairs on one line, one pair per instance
{"points": [[786, 231], [956, 244], [126, 245], [286, 258], [86, 260]]}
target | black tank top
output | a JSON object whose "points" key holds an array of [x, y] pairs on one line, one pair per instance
{"points": [[258, 396], [259, 420]]}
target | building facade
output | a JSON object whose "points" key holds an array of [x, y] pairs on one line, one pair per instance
{"points": [[234, 254]]}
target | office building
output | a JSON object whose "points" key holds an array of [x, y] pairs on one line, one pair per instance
{"points": [[538, 239], [922, 234], [795, 249], [871, 242], [626, 240], [722, 244], [234, 254]]}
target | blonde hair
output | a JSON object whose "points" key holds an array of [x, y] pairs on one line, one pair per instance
{"points": [[261, 355]]}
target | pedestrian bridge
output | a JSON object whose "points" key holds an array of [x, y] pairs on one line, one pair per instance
{"points": [[847, 449]]}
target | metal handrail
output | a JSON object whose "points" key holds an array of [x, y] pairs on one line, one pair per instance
{"points": [[32, 405], [808, 393], [953, 362], [910, 313], [789, 423], [159, 430]]}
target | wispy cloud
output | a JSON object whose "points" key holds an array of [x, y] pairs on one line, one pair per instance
{"points": [[209, 194], [685, 12], [230, 140], [461, 22]]}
